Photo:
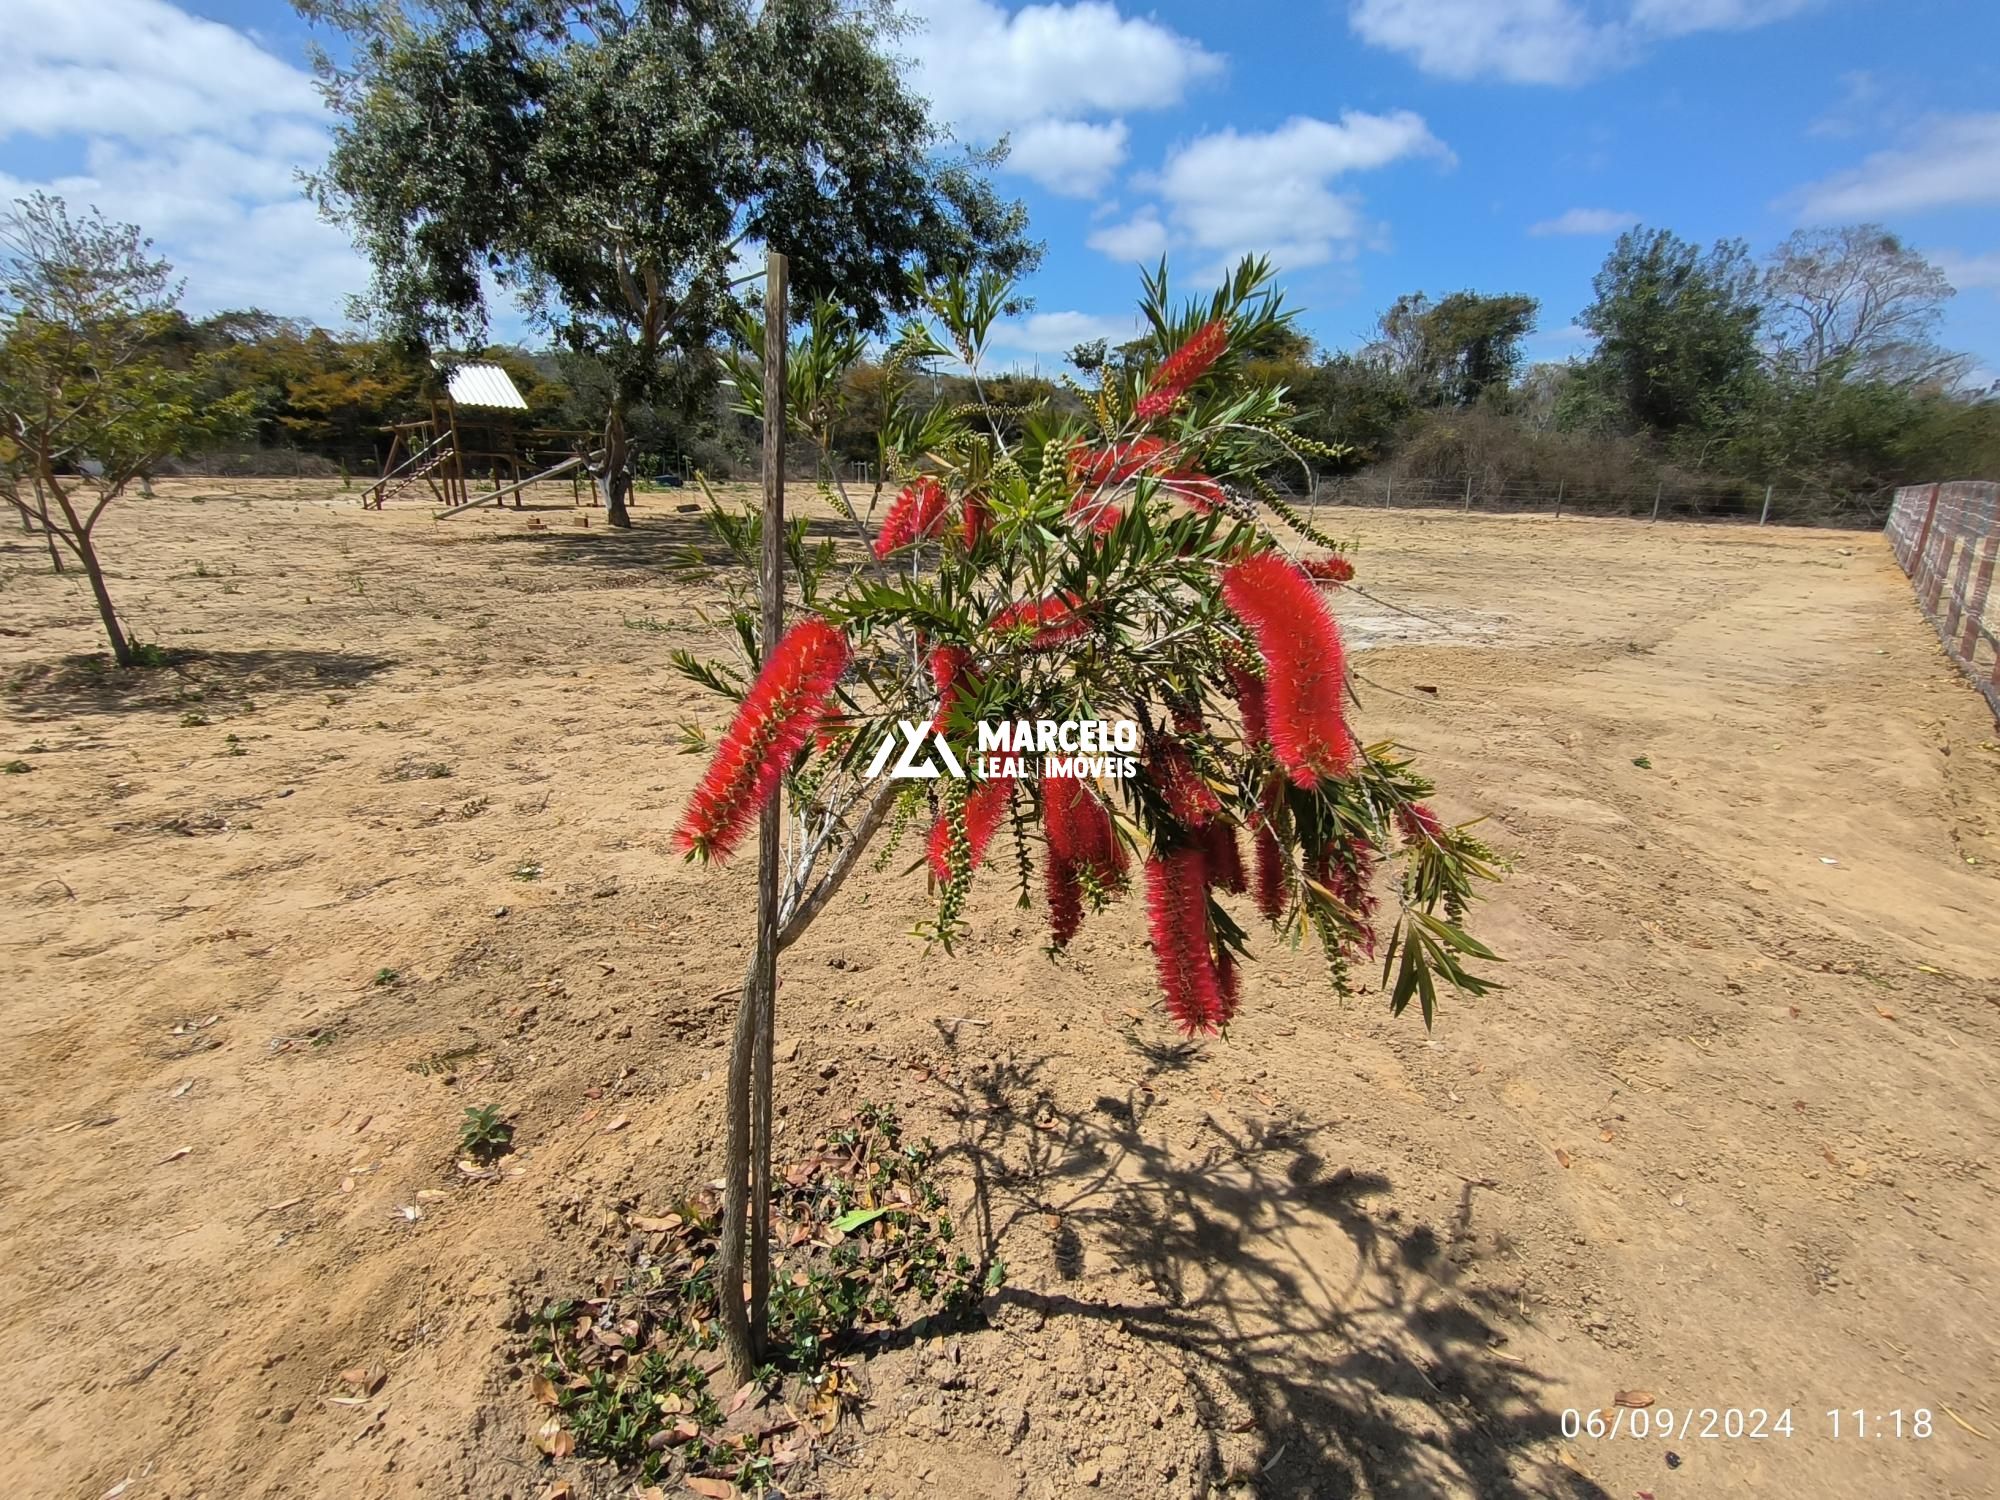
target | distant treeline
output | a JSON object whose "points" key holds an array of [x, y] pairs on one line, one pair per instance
{"points": [[1816, 371]]}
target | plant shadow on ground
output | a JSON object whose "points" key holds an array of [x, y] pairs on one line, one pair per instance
{"points": [[1368, 1365], [173, 677]]}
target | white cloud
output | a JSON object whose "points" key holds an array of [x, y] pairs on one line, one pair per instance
{"points": [[1544, 41], [1684, 17], [1522, 41], [1059, 332], [1141, 238], [1272, 192], [1967, 271], [1070, 157], [1585, 221], [1954, 159], [986, 71], [194, 133]]}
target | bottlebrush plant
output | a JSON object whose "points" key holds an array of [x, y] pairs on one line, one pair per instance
{"points": [[1130, 557], [1124, 553]]}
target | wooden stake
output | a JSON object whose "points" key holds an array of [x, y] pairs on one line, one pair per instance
{"points": [[746, 1193]]}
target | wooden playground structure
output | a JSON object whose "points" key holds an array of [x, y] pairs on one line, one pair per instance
{"points": [[473, 436]]}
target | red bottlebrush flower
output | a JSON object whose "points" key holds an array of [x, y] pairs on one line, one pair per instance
{"points": [[1065, 890], [984, 808], [1177, 911], [1078, 827], [1250, 702], [1270, 860], [1191, 799], [1118, 463], [784, 705], [1203, 493], [1101, 512], [1182, 369], [948, 671], [1054, 620], [977, 518], [916, 514], [1305, 668], [1228, 984], [1420, 823], [1334, 568], [1225, 858], [1345, 869]]}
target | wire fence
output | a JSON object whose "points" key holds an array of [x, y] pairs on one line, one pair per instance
{"points": [[1763, 505], [1947, 537]]}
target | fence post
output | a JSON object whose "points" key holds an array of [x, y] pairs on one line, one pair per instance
{"points": [[1656, 499], [1389, 494], [1468, 494], [1559, 497], [1767, 506]]}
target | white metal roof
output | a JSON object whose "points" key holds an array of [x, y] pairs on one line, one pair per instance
{"points": [[483, 385]]}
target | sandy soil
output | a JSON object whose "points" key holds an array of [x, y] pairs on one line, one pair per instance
{"points": [[1727, 1138]]}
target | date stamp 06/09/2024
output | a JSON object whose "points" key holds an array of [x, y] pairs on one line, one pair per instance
{"points": [[1644, 1421]]}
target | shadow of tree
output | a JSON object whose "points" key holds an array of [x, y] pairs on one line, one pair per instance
{"points": [[673, 539], [183, 677], [1334, 1348]]}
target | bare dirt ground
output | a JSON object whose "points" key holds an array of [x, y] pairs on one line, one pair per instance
{"points": [[1726, 1138]]}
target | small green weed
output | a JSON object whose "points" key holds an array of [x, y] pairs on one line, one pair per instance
{"points": [[872, 1248], [15, 768], [384, 977], [484, 1132], [1643, 762], [193, 719]]}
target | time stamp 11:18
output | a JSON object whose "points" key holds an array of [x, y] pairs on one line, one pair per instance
{"points": [[1748, 1423]]}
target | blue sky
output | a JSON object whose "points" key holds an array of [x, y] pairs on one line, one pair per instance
{"points": [[1373, 147]]}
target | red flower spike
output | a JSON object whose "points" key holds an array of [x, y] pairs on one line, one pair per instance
{"points": [[1191, 799], [977, 519], [1118, 463], [1225, 858], [1101, 512], [784, 706], [1055, 620], [1346, 869], [1228, 984], [917, 513], [1420, 823], [1203, 493], [1334, 568], [1177, 912], [1305, 668], [1250, 702], [1065, 890], [948, 671], [1183, 368], [1078, 827], [1270, 861], [984, 808]]}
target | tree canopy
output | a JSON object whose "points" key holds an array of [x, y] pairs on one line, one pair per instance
{"points": [[607, 161]]}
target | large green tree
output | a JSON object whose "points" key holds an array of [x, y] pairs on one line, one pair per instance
{"points": [[1676, 331], [1451, 352], [608, 160]]}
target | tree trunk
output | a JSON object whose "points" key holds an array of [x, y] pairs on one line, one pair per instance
{"points": [[747, 1169], [614, 480], [48, 531], [79, 538]]}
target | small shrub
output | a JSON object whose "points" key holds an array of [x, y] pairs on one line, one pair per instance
{"points": [[384, 977], [193, 720], [484, 1132], [16, 768]]}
